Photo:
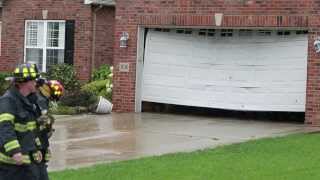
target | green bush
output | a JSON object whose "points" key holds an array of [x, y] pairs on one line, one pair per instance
{"points": [[102, 73], [99, 88], [4, 85], [66, 75], [101, 84], [76, 99], [79, 98]]}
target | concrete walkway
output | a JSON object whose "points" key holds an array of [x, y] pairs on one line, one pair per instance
{"points": [[89, 139]]}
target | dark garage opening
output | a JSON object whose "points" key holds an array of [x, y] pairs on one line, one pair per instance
{"points": [[297, 117]]}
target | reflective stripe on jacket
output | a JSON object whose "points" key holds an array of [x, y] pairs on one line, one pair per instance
{"points": [[17, 126]]}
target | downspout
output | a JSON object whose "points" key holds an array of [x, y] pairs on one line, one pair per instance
{"points": [[93, 50]]}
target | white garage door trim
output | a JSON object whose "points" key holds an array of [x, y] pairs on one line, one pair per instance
{"points": [[256, 70]]}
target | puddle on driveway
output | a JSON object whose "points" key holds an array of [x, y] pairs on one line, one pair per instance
{"points": [[89, 139], [92, 139]]}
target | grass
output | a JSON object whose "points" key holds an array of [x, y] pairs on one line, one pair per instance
{"points": [[294, 157]]}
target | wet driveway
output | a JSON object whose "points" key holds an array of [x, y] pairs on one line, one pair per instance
{"points": [[90, 139]]}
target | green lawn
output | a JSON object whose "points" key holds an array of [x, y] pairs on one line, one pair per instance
{"points": [[295, 157]]}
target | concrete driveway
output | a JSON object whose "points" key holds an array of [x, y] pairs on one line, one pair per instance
{"points": [[89, 139]]}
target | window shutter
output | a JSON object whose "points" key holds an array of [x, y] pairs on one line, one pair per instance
{"points": [[69, 42]]}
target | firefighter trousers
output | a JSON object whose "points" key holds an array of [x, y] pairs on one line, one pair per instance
{"points": [[43, 172], [15, 172]]}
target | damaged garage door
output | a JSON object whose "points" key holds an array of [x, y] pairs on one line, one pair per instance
{"points": [[254, 70]]}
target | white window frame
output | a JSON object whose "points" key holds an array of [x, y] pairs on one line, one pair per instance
{"points": [[44, 45]]}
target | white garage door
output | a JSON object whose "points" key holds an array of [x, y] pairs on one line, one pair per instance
{"points": [[258, 70]]}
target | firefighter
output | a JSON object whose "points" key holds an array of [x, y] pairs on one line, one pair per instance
{"points": [[51, 90], [19, 148]]}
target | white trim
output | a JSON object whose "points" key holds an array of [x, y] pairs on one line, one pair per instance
{"points": [[25, 42], [45, 21], [45, 33], [44, 43], [139, 68], [39, 47]]}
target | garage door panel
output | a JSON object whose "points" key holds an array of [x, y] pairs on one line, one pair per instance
{"points": [[160, 69], [167, 71], [162, 48], [165, 82], [273, 86], [253, 66], [256, 99], [252, 107], [203, 62], [221, 100], [280, 75], [167, 59], [254, 86], [224, 101], [205, 53], [234, 75], [169, 95], [247, 88], [169, 37], [262, 73]]}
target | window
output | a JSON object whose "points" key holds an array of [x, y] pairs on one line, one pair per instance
{"points": [[207, 32], [184, 31], [301, 32], [44, 43], [162, 30], [226, 32], [264, 32], [283, 33]]}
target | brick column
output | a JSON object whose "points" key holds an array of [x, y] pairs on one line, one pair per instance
{"points": [[313, 81]]}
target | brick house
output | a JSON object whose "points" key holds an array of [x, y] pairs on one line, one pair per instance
{"points": [[45, 32], [255, 55], [247, 55]]}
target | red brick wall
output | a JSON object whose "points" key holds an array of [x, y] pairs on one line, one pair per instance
{"points": [[104, 36], [313, 84], [15, 12], [200, 13]]}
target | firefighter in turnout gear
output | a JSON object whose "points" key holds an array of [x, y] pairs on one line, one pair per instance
{"points": [[19, 145], [51, 90]]}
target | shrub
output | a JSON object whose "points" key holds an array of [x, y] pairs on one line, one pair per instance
{"points": [[79, 98], [101, 84], [66, 75], [84, 99], [4, 85], [102, 73], [98, 88]]}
